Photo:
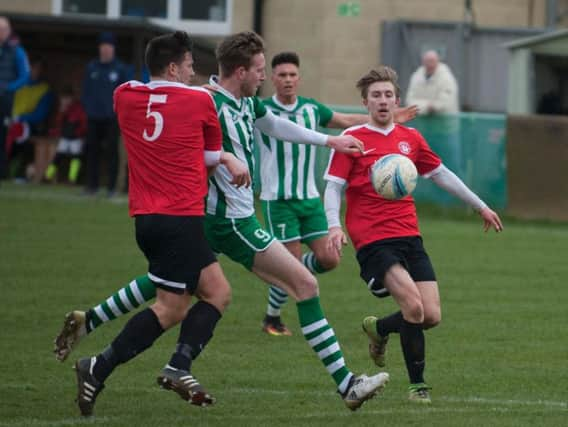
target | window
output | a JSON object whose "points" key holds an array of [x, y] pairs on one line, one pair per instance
{"points": [[149, 8], [98, 7], [204, 10]]}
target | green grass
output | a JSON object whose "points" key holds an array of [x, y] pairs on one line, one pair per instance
{"points": [[499, 358]]}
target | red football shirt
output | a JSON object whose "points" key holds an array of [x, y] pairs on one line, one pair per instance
{"points": [[370, 217], [166, 127]]}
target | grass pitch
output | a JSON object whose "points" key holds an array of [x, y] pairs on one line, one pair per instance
{"points": [[499, 358]]}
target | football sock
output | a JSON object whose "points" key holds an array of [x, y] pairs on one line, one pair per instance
{"points": [[138, 334], [389, 324], [311, 263], [131, 296], [196, 331], [74, 166], [413, 348], [321, 338], [51, 171], [276, 299]]}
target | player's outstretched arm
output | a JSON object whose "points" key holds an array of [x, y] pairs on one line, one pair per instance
{"points": [[449, 181], [239, 170], [279, 128]]}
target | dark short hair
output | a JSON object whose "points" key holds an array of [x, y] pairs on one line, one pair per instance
{"points": [[285, 58], [161, 51], [107, 37], [237, 51], [381, 74]]}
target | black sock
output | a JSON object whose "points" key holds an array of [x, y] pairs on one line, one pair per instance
{"points": [[389, 324], [196, 331], [413, 348], [88, 317], [138, 334]]}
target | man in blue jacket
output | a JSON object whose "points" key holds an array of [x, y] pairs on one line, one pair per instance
{"points": [[102, 76], [14, 73]]}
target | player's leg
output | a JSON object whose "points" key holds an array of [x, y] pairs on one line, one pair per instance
{"points": [[79, 323], [214, 293], [405, 292], [277, 265], [177, 252], [283, 223], [314, 232], [75, 162], [246, 242], [138, 334], [431, 302]]}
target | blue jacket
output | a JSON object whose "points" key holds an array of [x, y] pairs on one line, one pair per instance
{"points": [[99, 83], [14, 66]]}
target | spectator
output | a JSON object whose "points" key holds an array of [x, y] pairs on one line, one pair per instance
{"points": [[70, 127], [433, 87], [102, 76], [14, 73], [32, 106]]}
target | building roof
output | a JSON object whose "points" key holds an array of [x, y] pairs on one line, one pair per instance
{"points": [[554, 43]]}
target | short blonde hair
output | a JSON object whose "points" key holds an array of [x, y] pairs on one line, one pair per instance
{"points": [[381, 74], [237, 51]]}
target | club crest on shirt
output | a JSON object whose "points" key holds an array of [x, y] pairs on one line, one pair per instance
{"points": [[404, 147]]}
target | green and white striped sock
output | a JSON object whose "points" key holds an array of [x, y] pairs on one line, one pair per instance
{"points": [[321, 338], [311, 263], [276, 299], [128, 298]]}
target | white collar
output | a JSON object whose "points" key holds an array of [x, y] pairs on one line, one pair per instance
{"points": [[287, 107], [214, 81], [382, 131]]}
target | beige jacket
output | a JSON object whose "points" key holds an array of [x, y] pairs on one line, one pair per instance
{"points": [[438, 94]]}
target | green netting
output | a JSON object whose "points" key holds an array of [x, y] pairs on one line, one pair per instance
{"points": [[470, 144]]}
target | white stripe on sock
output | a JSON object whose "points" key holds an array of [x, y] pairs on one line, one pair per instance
{"points": [[335, 366], [113, 307], [314, 326], [328, 350], [271, 311], [136, 291], [321, 338], [343, 386], [101, 314], [124, 298]]}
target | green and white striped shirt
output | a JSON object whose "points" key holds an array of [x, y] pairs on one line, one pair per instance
{"points": [[237, 117], [287, 169]]}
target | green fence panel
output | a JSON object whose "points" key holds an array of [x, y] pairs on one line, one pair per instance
{"points": [[471, 144]]}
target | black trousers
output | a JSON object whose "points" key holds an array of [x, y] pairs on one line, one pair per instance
{"points": [[6, 100], [102, 136]]}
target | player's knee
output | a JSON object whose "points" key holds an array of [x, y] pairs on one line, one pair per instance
{"points": [[170, 314], [306, 286], [328, 260], [432, 319], [413, 310], [220, 297]]}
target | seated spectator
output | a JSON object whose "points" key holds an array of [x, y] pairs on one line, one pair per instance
{"points": [[32, 106], [70, 127]]}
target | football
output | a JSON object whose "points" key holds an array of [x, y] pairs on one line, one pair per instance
{"points": [[393, 176]]}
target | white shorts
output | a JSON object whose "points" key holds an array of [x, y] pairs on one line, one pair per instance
{"points": [[70, 146]]}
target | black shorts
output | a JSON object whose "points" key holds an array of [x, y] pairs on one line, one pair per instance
{"points": [[176, 250], [376, 258]]}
